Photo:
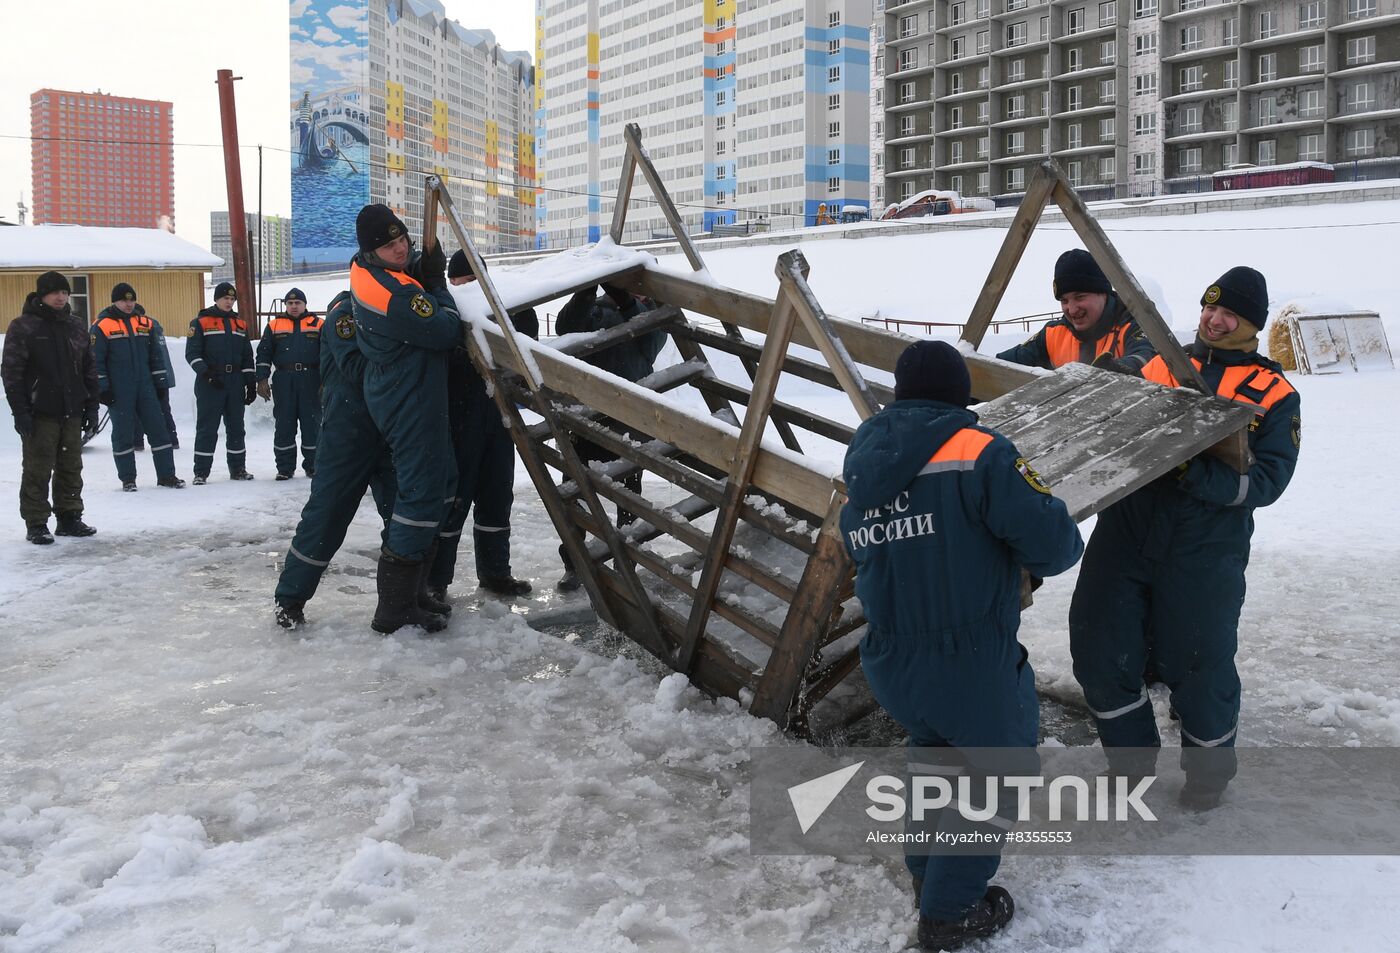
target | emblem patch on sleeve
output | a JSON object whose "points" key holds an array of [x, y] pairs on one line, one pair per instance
{"points": [[92, 339], [1030, 476], [1297, 431], [345, 327], [422, 306]]}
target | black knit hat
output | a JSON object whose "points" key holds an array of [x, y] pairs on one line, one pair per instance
{"points": [[51, 281], [1076, 270], [377, 225], [459, 267], [294, 295], [121, 291], [1243, 291], [932, 370], [225, 288]]}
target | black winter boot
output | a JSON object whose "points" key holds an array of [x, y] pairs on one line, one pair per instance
{"points": [[431, 598], [290, 614], [990, 914], [507, 586], [38, 534], [398, 582], [71, 524]]}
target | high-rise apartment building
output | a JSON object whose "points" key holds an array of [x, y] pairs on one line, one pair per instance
{"points": [[103, 160], [1132, 97], [385, 92], [272, 244], [750, 109]]}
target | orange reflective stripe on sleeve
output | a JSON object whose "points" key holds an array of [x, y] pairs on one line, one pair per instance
{"points": [[960, 452]]}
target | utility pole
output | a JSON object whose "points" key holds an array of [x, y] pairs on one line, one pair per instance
{"points": [[237, 221]]}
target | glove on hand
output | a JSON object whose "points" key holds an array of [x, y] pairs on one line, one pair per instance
{"points": [[107, 398], [24, 425], [432, 268], [1107, 362], [91, 419], [250, 393], [214, 379]]}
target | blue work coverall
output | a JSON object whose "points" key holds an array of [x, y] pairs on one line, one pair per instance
{"points": [[1162, 583], [218, 346], [406, 333], [130, 368], [353, 457], [290, 353], [942, 516]]}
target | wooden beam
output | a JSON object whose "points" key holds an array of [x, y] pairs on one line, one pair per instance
{"points": [[1018, 236], [624, 196], [633, 138], [787, 413], [583, 346]]}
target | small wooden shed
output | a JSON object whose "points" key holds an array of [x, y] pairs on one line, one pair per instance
{"points": [[167, 272]]}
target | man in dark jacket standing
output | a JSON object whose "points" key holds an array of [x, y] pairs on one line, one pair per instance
{"points": [[130, 369], [1094, 326], [406, 324], [630, 360], [226, 381], [485, 468], [1162, 583], [291, 347], [942, 517], [51, 385]]}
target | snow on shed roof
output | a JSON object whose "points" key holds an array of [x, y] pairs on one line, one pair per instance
{"points": [[80, 246]]}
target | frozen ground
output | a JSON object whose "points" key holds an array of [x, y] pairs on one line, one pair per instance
{"points": [[178, 774]]}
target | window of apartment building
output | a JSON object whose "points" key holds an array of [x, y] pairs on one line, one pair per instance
{"points": [[1045, 28], [1144, 44], [1145, 84], [1310, 103], [906, 125], [984, 77], [1190, 38], [1106, 130], [906, 190], [833, 19], [1108, 91], [1015, 143], [909, 26], [721, 97], [906, 92], [984, 41], [1108, 52], [1268, 67], [1074, 60], [955, 153], [957, 183], [1144, 8], [1360, 142], [720, 147], [1190, 119], [959, 48], [1361, 49], [832, 47], [1076, 21], [1074, 97], [1108, 169], [1145, 124], [1108, 13], [955, 85], [1232, 31], [1267, 111], [1016, 71], [833, 157], [1312, 14], [1230, 154], [1230, 116], [833, 130], [833, 184], [833, 73], [1016, 107], [721, 171], [958, 14], [1190, 79], [833, 101], [1310, 148], [1189, 160], [1045, 103], [955, 117], [1268, 24], [1074, 136], [1360, 9], [1075, 170], [984, 183], [906, 157], [1265, 152], [984, 9], [1361, 97], [984, 147], [1145, 163], [984, 112], [1310, 59], [1015, 180], [1016, 34], [1232, 73]]}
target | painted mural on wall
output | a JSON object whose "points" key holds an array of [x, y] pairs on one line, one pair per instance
{"points": [[329, 126]]}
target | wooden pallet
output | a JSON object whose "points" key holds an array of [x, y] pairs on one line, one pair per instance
{"points": [[735, 572]]}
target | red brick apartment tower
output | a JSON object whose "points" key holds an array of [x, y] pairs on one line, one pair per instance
{"points": [[101, 160]]}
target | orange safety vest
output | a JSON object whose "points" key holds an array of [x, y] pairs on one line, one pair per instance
{"points": [[285, 325], [116, 327], [210, 324], [1247, 383], [960, 452], [1064, 348]]}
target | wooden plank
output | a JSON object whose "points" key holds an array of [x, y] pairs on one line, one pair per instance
{"points": [[632, 135], [795, 481], [1018, 236], [792, 272], [667, 379], [828, 677], [821, 426], [624, 196], [806, 623], [1011, 409], [623, 276], [1139, 304], [1068, 413], [583, 347], [770, 368], [717, 669]]}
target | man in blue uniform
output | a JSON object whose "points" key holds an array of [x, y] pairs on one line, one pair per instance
{"points": [[225, 382], [130, 369], [942, 517], [406, 324], [162, 393], [485, 468], [291, 346], [1162, 583], [355, 457], [1094, 327]]}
